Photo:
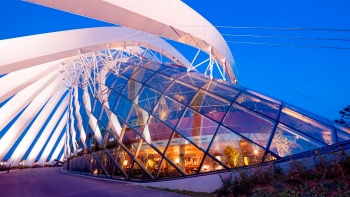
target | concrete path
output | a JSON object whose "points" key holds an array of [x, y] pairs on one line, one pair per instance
{"points": [[44, 182]]}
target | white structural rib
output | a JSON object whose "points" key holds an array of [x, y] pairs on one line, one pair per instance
{"points": [[58, 45], [53, 139], [33, 131], [72, 122], [171, 19], [14, 82], [17, 128], [18, 102], [47, 131], [79, 119], [58, 149]]}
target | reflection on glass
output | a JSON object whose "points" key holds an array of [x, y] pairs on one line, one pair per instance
{"points": [[194, 80], [142, 75], [181, 92], [197, 128], [157, 133], [221, 90], [169, 111], [123, 159], [342, 136], [131, 89], [122, 107], [137, 118], [184, 154], [259, 105], [130, 70], [138, 174], [249, 124], [210, 105], [308, 126], [233, 150], [287, 142], [112, 99], [131, 140], [118, 84], [147, 99], [159, 82]]}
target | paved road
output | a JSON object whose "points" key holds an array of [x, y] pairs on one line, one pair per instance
{"points": [[47, 182]]}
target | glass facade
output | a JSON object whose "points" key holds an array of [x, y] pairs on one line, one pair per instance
{"points": [[159, 122]]}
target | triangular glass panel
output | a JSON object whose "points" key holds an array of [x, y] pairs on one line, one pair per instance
{"points": [[131, 89], [169, 111], [287, 141], [86, 164], [210, 165], [210, 105], [137, 118], [124, 160], [157, 133], [147, 99], [137, 174], [118, 85], [181, 92], [249, 124], [149, 158], [197, 128], [112, 99], [95, 164], [167, 170], [130, 70], [184, 154], [259, 105], [310, 127]]}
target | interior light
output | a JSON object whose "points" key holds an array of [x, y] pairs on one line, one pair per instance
{"points": [[177, 160], [125, 162]]}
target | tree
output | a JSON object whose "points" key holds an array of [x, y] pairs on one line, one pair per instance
{"points": [[345, 117]]}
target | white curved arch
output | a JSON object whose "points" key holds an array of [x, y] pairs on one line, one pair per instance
{"points": [[167, 19], [58, 45]]}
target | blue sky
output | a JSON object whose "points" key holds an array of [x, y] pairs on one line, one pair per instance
{"points": [[305, 74]]}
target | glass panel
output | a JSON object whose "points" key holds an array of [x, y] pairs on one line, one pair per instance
{"points": [[131, 140], [157, 133], [181, 92], [104, 117], [184, 154], [118, 85], [249, 124], [147, 99], [142, 75], [149, 158], [152, 65], [130, 70], [124, 160], [122, 107], [192, 79], [167, 170], [308, 126], [342, 136], [107, 163], [221, 90], [95, 164], [110, 141], [110, 78], [171, 71], [259, 105], [112, 100], [138, 174], [131, 89], [137, 118], [233, 150], [86, 164], [169, 111], [288, 142], [159, 82], [197, 128], [210, 165], [210, 105]]}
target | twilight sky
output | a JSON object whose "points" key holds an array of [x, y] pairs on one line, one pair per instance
{"points": [[309, 67]]}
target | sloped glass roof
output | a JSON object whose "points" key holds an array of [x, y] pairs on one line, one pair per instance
{"points": [[171, 123]]}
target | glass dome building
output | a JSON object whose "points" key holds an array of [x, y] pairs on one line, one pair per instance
{"points": [[123, 103]]}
